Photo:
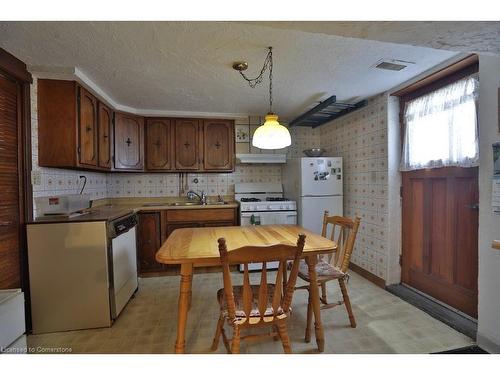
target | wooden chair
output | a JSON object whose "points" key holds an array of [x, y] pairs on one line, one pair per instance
{"points": [[249, 306], [343, 232]]}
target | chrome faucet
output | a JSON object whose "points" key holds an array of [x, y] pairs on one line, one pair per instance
{"points": [[202, 198]]}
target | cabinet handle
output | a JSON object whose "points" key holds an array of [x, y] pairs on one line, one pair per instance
{"points": [[105, 136], [187, 144], [88, 129], [217, 145], [128, 142], [157, 143], [6, 223]]}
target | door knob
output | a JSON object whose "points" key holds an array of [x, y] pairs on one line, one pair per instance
{"points": [[473, 206]]}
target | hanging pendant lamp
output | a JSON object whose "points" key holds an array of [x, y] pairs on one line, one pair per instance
{"points": [[271, 135]]}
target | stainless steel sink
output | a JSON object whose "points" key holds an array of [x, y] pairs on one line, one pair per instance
{"points": [[182, 204], [185, 204]]}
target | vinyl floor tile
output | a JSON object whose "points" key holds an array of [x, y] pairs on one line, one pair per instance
{"points": [[385, 323]]}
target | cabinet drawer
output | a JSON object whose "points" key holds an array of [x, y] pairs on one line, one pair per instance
{"points": [[204, 214]]}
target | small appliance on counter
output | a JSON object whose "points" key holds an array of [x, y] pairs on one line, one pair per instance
{"points": [[82, 269], [62, 205]]}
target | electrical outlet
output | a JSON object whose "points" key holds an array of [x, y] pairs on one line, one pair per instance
{"points": [[36, 178]]}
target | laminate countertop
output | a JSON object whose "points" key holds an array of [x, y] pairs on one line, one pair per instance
{"points": [[107, 210]]}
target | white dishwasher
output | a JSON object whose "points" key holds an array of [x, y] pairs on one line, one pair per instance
{"points": [[82, 272]]}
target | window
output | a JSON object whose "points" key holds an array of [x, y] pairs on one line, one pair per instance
{"points": [[441, 128]]}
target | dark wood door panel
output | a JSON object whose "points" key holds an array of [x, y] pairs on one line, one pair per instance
{"points": [[149, 241], [159, 141], [105, 119], [129, 134], [87, 128], [440, 224], [218, 144], [187, 147], [9, 185]]}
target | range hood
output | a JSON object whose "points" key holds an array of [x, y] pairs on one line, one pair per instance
{"points": [[260, 158]]}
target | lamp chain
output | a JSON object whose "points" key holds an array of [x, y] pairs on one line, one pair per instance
{"points": [[253, 82]]}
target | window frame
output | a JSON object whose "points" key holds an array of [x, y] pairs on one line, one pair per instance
{"points": [[448, 75]]}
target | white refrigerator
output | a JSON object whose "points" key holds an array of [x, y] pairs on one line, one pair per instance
{"points": [[316, 185]]}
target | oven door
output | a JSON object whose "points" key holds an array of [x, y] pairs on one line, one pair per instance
{"points": [[267, 218]]}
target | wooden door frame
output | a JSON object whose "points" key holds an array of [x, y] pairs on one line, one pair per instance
{"points": [[14, 69], [443, 77]]}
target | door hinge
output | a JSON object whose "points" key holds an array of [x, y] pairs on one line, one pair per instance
{"points": [[401, 191], [400, 260]]}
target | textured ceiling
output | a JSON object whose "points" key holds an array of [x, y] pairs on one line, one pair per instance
{"points": [[186, 66], [460, 36]]}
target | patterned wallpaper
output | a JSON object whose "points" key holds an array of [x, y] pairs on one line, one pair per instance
{"points": [[361, 139]]}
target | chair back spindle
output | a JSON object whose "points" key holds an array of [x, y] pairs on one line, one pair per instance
{"points": [[276, 298], [343, 232]]}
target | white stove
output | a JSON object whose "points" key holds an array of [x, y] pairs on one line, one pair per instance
{"points": [[262, 204]]}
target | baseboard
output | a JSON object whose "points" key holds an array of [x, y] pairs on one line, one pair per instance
{"points": [[487, 344], [368, 275]]}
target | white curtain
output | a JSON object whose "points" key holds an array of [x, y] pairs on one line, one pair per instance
{"points": [[441, 128]]}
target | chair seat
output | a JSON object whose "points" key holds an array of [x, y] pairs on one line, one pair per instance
{"points": [[238, 301], [324, 271]]}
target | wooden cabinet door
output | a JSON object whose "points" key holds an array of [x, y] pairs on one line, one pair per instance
{"points": [[149, 241], [218, 145], [105, 119], [187, 144], [129, 142], [159, 144], [87, 128]]}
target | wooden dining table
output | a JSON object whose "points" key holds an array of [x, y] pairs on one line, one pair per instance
{"points": [[198, 247]]}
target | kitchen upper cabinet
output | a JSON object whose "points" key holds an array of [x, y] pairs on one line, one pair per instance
{"points": [[129, 142], [68, 135], [105, 123], [149, 241], [87, 125], [218, 145], [159, 144], [187, 144]]}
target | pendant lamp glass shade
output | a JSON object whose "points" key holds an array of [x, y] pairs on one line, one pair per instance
{"points": [[271, 135]]}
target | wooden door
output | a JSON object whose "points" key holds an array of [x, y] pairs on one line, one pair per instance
{"points": [[149, 241], [128, 142], [105, 119], [218, 145], [440, 235], [159, 144], [87, 128], [9, 185], [187, 144]]}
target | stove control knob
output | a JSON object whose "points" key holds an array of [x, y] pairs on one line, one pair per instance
{"points": [[287, 207], [269, 206], [281, 207]]}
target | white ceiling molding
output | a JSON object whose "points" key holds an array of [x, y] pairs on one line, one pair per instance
{"points": [[75, 74]]}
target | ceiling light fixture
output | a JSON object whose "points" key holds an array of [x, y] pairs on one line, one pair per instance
{"points": [[271, 135]]}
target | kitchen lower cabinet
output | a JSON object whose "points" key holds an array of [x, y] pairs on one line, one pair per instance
{"points": [[155, 227], [149, 241]]}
